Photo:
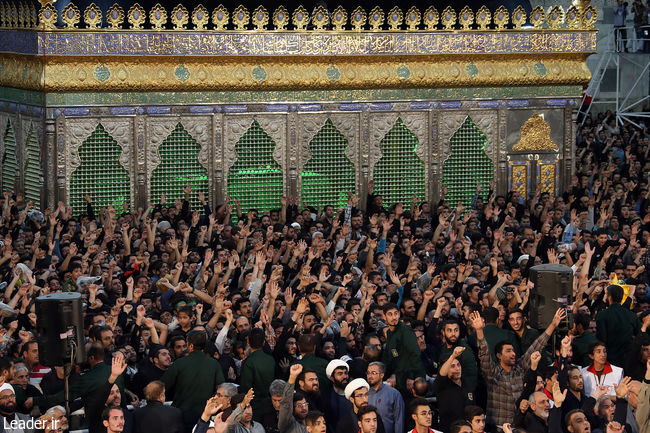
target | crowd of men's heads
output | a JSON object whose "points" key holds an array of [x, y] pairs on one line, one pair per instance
{"points": [[352, 271]]}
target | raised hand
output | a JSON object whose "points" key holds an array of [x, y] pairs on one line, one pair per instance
{"points": [[294, 371], [458, 350], [118, 365], [535, 357], [558, 394], [623, 387], [476, 321]]}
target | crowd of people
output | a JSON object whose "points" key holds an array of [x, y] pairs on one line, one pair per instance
{"points": [[371, 319]]}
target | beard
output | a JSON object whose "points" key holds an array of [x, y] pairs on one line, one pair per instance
{"points": [[8, 408], [340, 384]]}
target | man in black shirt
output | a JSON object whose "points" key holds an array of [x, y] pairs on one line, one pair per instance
{"points": [[452, 390]]}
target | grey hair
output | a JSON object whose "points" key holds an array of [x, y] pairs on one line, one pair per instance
{"points": [[229, 389], [380, 365], [50, 411], [531, 398], [20, 367], [277, 387]]}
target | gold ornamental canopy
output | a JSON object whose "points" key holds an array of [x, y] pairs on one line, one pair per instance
{"points": [[21, 15]]}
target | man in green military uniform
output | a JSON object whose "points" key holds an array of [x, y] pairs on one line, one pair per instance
{"points": [[582, 340], [307, 348], [451, 340], [257, 372], [402, 353], [616, 326], [193, 379], [85, 385]]}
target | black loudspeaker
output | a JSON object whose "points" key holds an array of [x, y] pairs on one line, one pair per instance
{"points": [[60, 328], [553, 288]]}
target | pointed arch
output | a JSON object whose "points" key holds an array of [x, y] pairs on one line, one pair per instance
{"points": [[32, 173], [255, 179], [399, 173], [467, 165], [100, 173], [178, 167], [328, 175], [8, 160]]}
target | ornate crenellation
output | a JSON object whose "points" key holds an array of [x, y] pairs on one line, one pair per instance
{"points": [[77, 130], [236, 125], [485, 120]]}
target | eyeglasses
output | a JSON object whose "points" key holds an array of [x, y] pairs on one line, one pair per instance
{"points": [[374, 373], [301, 405]]}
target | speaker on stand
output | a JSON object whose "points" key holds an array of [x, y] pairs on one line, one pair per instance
{"points": [[552, 289], [60, 333]]}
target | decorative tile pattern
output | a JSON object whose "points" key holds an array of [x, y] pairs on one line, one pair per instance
{"points": [[399, 173], [548, 176], [467, 165], [281, 44], [178, 167], [100, 173], [519, 178], [255, 179], [328, 176]]}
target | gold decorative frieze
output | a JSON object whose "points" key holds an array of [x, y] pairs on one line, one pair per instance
{"points": [[142, 73], [535, 136]]}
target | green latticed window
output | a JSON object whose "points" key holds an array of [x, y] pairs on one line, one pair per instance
{"points": [[9, 161], [179, 166], [255, 179], [32, 168], [100, 174], [467, 165], [399, 174], [328, 176]]}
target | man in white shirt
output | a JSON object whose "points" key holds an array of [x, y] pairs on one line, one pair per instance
{"points": [[600, 373]]}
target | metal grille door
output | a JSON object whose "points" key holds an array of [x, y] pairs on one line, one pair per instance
{"points": [[100, 174], [467, 165], [399, 174], [179, 166], [328, 176]]}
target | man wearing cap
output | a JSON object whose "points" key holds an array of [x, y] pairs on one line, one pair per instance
{"points": [[8, 411], [357, 393], [339, 405]]}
